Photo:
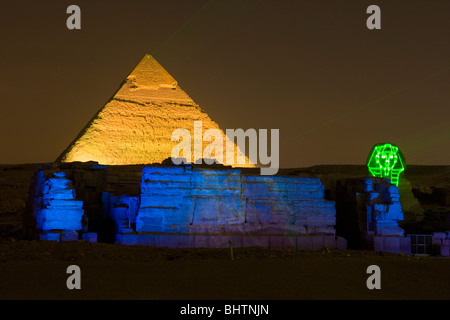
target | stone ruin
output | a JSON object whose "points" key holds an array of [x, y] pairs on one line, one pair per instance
{"points": [[383, 212], [184, 206], [193, 206], [112, 184]]}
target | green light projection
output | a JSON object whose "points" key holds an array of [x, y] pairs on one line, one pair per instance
{"points": [[386, 161]]}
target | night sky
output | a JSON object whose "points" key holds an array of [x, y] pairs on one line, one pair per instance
{"points": [[309, 68]]}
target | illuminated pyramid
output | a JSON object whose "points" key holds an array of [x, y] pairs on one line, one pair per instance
{"points": [[136, 125]]}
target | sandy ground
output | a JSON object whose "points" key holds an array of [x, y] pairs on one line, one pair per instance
{"points": [[37, 270]]}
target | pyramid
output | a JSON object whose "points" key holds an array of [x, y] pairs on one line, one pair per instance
{"points": [[136, 124]]}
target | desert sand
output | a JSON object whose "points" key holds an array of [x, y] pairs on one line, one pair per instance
{"points": [[37, 270]]}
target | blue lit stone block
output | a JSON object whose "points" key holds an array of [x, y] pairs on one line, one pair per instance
{"points": [[276, 242], [89, 236], [304, 243], [289, 243], [50, 236], [219, 210], [392, 244], [211, 241], [256, 241], [258, 211], [214, 201], [55, 205], [383, 208], [129, 239], [341, 243], [175, 241], [69, 235], [162, 200]]}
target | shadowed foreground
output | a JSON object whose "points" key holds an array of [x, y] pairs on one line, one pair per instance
{"points": [[37, 270]]}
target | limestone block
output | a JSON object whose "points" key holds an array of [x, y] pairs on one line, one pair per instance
{"points": [[325, 208], [320, 230], [258, 211], [130, 239], [57, 208], [438, 237], [165, 187], [341, 243], [162, 200], [318, 220], [253, 228], [175, 241], [60, 213], [63, 203], [235, 228], [289, 243], [119, 214], [172, 170], [274, 228], [219, 210], [252, 189], [368, 185], [281, 218], [60, 224], [202, 241], [329, 241], [147, 240], [392, 244], [373, 195], [69, 235], [318, 242], [394, 211], [207, 228], [296, 228], [180, 177], [444, 251], [214, 180], [388, 229], [276, 242], [236, 241], [51, 236], [210, 241], [394, 193], [164, 215], [52, 193], [303, 209], [89, 236], [255, 241], [304, 243]]}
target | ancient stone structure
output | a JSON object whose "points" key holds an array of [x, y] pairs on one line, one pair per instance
{"points": [[55, 207], [383, 208], [136, 125], [186, 206], [383, 212], [116, 183]]}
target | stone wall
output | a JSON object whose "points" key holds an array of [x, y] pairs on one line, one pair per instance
{"points": [[383, 208], [187, 199], [183, 206], [55, 207]]}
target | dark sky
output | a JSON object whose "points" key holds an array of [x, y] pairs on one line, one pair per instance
{"points": [[309, 68]]}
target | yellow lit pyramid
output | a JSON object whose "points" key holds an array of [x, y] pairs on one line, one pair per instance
{"points": [[136, 125]]}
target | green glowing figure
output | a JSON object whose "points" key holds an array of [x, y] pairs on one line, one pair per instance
{"points": [[386, 161]]}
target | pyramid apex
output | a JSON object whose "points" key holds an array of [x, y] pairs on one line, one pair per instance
{"points": [[149, 73]]}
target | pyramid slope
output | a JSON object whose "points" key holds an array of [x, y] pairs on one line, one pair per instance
{"points": [[136, 124]]}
